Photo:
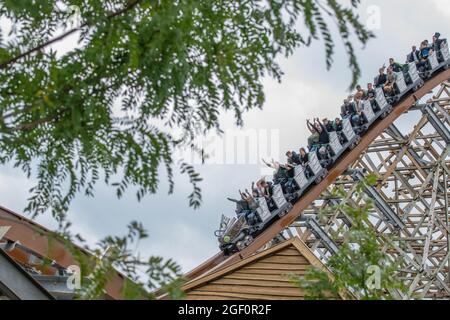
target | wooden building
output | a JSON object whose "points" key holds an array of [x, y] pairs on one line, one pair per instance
{"points": [[17, 284], [263, 276]]}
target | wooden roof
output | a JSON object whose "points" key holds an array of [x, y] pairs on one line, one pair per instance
{"points": [[262, 276], [38, 239], [16, 283]]}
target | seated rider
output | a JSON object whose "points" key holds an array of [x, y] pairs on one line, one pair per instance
{"points": [[339, 127], [304, 161], [360, 111], [265, 188], [381, 79], [289, 170], [246, 205], [256, 190], [289, 186], [241, 205], [322, 146], [280, 175], [396, 67], [360, 93], [349, 110], [250, 199], [346, 109], [425, 52], [329, 126], [413, 56], [437, 42], [389, 87], [322, 131], [371, 96], [292, 158]]}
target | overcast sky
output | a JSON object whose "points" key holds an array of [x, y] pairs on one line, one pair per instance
{"points": [[307, 90]]}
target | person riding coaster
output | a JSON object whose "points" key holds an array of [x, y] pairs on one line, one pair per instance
{"points": [[390, 88], [437, 46], [282, 176], [442, 54], [296, 159], [424, 52], [336, 126], [253, 212], [411, 75], [321, 146], [246, 205], [329, 140], [351, 111], [401, 69], [304, 162], [371, 96], [429, 57]]}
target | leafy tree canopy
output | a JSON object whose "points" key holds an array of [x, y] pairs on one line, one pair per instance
{"points": [[168, 64], [143, 278]]}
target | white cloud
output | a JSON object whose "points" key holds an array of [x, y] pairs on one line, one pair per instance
{"points": [[442, 6]]}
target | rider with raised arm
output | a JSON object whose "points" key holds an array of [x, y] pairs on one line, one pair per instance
{"points": [[313, 139], [324, 140], [323, 134], [329, 126], [280, 172], [242, 205]]}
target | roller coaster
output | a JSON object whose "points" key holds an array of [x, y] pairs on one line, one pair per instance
{"points": [[294, 212], [411, 196], [236, 234]]}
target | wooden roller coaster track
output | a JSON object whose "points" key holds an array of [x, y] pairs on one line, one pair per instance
{"points": [[39, 241], [220, 261]]}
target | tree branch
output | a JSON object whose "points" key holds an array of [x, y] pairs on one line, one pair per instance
{"points": [[5, 64]]}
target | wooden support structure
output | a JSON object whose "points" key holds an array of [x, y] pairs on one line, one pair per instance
{"points": [[413, 179], [37, 242], [413, 170], [376, 136]]}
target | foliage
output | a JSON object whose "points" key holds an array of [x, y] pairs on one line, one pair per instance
{"points": [[144, 278], [107, 109], [352, 275]]}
